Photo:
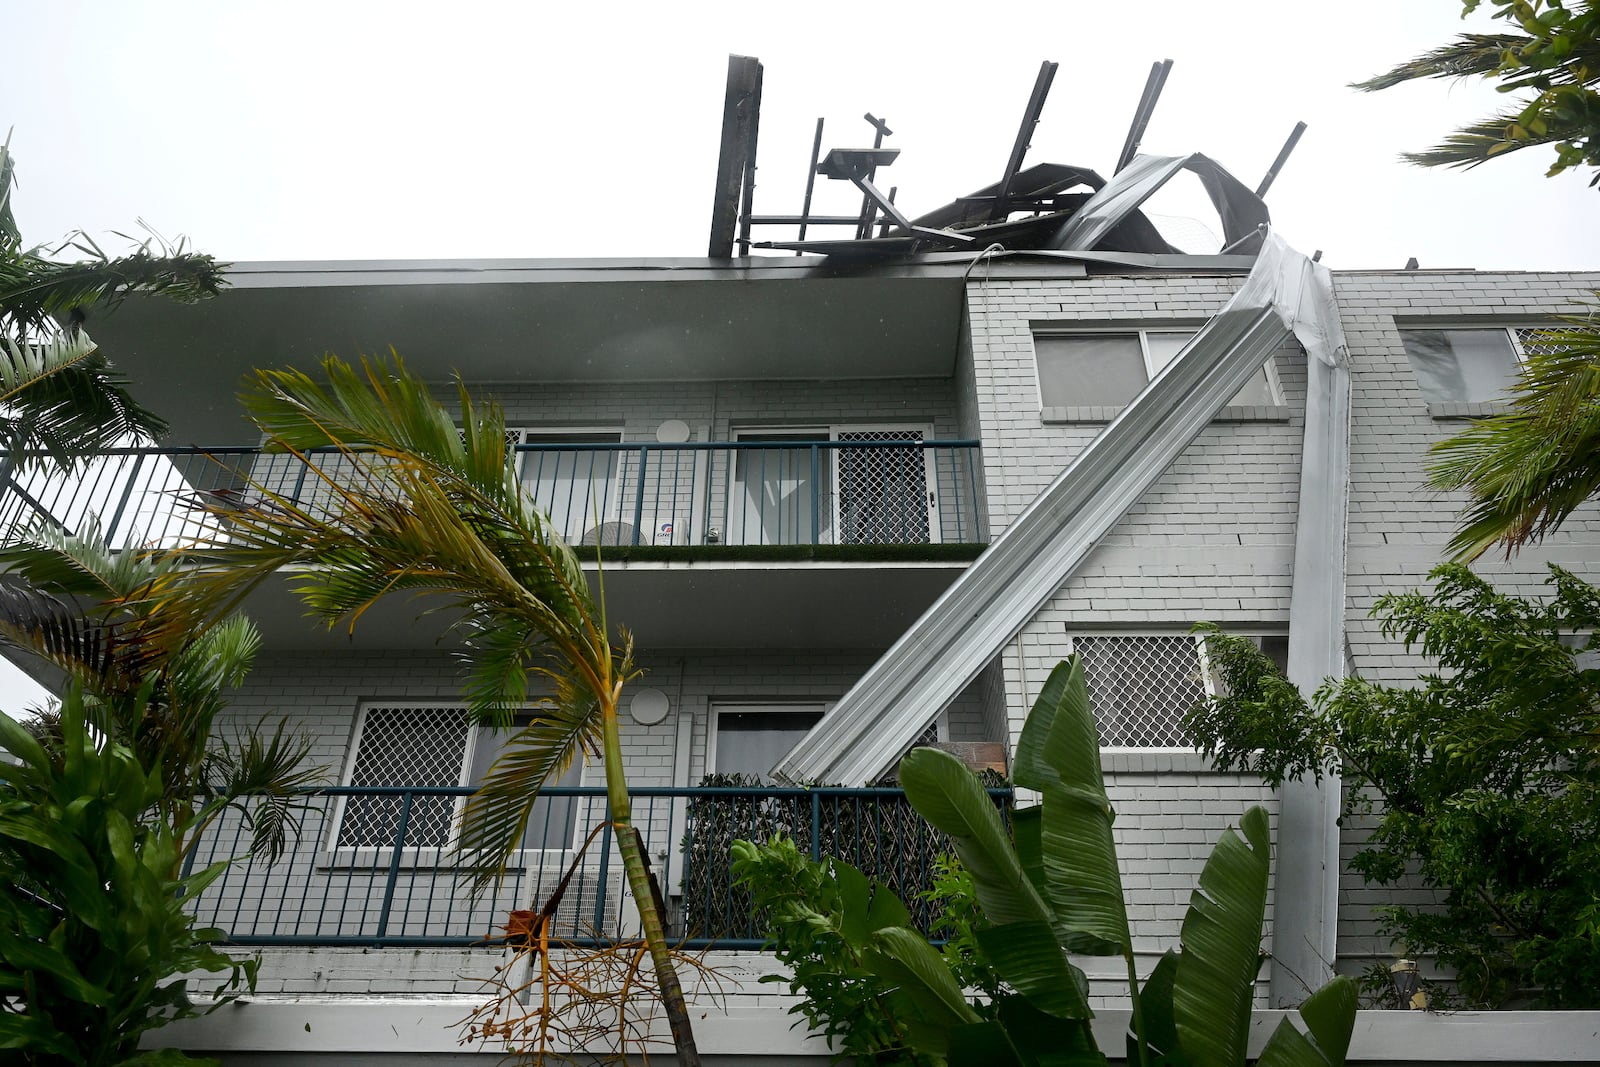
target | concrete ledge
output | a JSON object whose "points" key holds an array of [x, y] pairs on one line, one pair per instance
{"points": [[427, 1026]]}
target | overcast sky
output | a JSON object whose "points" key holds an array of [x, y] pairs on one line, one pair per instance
{"points": [[332, 130], [289, 130]]}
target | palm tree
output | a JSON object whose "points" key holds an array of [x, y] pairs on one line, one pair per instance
{"points": [[1527, 469], [416, 501], [58, 396], [154, 687]]}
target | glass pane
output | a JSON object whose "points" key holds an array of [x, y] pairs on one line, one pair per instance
{"points": [[573, 486], [752, 742], [551, 821], [773, 490], [1088, 370], [1165, 344], [1461, 366]]}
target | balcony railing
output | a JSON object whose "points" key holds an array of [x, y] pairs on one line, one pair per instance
{"points": [[375, 866], [858, 492]]}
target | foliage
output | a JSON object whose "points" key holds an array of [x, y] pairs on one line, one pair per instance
{"points": [[1486, 777], [156, 688], [57, 390], [822, 916], [424, 504], [1055, 889], [1552, 53], [95, 935], [1527, 469]]}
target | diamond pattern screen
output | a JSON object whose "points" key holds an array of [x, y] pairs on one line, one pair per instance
{"points": [[405, 746], [883, 491], [1140, 687], [1535, 340]]}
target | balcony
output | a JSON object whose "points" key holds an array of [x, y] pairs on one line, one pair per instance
{"points": [[374, 866], [738, 544], [888, 492]]}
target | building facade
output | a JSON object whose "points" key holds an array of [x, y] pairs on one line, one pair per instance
{"points": [[783, 465]]}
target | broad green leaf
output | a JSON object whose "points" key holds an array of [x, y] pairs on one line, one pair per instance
{"points": [[32, 956], [1027, 829], [868, 905], [985, 1044], [1330, 1015], [905, 958], [1082, 878], [17, 741], [1046, 1040], [1215, 983], [1028, 958], [1030, 767], [948, 795], [1155, 1016]]}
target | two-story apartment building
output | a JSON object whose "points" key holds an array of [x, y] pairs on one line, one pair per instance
{"points": [[844, 504]]}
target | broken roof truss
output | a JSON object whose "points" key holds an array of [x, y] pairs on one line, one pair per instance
{"points": [[1046, 207]]}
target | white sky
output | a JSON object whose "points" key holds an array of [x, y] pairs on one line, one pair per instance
{"points": [[345, 130], [289, 130]]}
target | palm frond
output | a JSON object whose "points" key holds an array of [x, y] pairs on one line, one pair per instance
{"points": [[495, 818], [1526, 470], [1483, 141], [61, 399], [35, 290], [10, 237], [265, 777], [1467, 55]]}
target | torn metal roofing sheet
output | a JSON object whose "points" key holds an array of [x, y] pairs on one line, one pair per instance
{"points": [[866, 732], [1242, 212]]}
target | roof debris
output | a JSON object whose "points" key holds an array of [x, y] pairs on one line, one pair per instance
{"points": [[1045, 207]]}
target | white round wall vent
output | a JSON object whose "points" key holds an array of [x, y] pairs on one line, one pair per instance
{"points": [[648, 707]]}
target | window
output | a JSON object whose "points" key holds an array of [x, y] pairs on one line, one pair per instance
{"points": [[572, 477], [425, 746], [877, 492], [752, 738], [1141, 685], [1108, 369], [1471, 365]]}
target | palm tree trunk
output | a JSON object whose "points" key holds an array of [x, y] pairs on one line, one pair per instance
{"points": [[633, 862]]}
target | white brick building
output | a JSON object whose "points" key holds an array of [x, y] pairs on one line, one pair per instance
{"points": [[885, 421]]}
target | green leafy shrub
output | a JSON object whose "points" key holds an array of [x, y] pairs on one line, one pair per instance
{"points": [[95, 935], [1486, 777]]}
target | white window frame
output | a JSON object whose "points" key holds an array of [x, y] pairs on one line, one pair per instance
{"points": [[556, 435], [1142, 332], [359, 856], [829, 472], [1208, 680]]}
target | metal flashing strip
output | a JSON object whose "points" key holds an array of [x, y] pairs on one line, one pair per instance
{"points": [[1306, 901], [862, 736]]}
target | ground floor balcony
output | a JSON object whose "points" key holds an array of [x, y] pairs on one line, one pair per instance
{"points": [[377, 867]]}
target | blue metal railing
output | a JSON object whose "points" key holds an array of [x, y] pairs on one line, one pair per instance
{"points": [[375, 866], [882, 491]]}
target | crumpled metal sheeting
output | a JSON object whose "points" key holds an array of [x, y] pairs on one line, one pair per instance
{"points": [[866, 732], [1242, 212]]}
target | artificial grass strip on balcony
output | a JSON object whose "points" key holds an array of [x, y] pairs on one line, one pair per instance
{"points": [[781, 553]]}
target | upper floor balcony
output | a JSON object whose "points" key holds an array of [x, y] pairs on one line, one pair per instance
{"points": [[797, 521]]}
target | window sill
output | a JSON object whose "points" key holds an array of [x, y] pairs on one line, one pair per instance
{"points": [[1105, 413], [1459, 410], [376, 862], [1160, 761]]}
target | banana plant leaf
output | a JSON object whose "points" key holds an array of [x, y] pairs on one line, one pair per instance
{"points": [[1330, 1016], [1160, 1031], [1214, 985], [1083, 882], [948, 795]]}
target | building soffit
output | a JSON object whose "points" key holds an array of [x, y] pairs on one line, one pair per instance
{"points": [[866, 732]]}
